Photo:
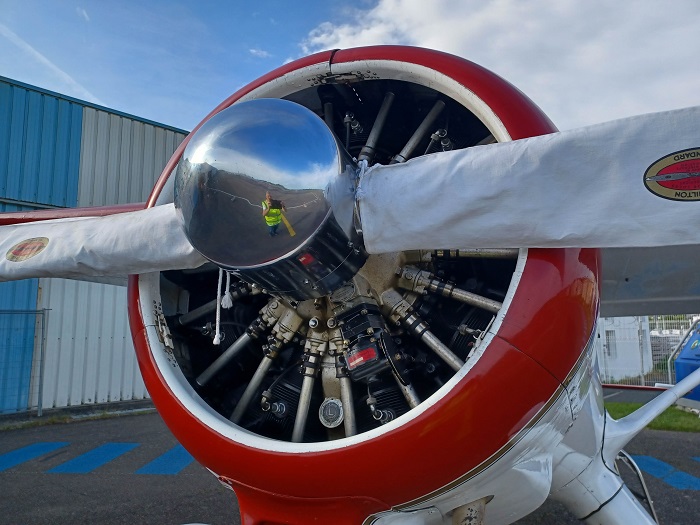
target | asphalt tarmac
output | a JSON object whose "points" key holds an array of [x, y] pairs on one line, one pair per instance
{"points": [[106, 488], [130, 470]]}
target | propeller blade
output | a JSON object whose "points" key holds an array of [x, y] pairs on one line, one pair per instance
{"points": [[591, 187], [112, 246]]}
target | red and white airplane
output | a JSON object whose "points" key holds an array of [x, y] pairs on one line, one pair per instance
{"points": [[409, 338]]}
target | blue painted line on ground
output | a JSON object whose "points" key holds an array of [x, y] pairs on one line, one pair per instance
{"points": [[170, 463], [667, 473], [94, 458], [19, 456]]}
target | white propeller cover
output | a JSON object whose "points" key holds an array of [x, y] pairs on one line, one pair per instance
{"points": [[593, 187], [112, 246]]}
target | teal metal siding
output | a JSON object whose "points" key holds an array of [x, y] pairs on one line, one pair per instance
{"points": [[40, 138], [16, 337], [39, 146], [16, 343]]}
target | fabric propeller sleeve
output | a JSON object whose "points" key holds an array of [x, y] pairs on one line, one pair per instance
{"points": [[633, 182], [112, 246]]}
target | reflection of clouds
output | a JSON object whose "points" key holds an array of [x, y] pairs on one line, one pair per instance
{"points": [[199, 155], [270, 140], [303, 175]]}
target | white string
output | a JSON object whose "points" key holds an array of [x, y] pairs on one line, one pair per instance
{"points": [[217, 335], [363, 168], [227, 301]]}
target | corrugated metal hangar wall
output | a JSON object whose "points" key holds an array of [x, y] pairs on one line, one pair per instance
{"points": [[55, 152]]}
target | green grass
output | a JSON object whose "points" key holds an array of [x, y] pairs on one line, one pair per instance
{"points": [[61, 419], [672, 418]]}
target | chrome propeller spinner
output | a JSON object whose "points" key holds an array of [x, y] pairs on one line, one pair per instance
{"points": [[265, 190]]}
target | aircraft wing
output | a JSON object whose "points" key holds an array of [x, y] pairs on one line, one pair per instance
{"points": [[650, 281], [21, 217]]}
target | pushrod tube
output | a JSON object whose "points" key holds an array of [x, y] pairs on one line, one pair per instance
{"points": [[368, 150]]}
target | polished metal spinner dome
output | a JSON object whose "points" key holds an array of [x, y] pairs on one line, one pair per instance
{"points": [[307, 245]]}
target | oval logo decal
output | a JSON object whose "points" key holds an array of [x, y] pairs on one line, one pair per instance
{"points": [[675, 176], [27, 249]]}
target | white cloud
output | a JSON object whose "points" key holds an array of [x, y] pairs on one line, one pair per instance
{"points": [[582, 62], [260, 53], [53, 77], [82, 13]]}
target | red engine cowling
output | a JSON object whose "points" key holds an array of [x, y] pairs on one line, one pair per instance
{"points": [[402, 454]]}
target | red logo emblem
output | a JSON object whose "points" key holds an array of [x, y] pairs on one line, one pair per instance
{"points": [[27, 249], [675, 176]]}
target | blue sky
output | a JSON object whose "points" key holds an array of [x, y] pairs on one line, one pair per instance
{"points": [[169, 61], [173, 61]]}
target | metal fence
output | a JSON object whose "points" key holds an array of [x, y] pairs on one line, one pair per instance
{"points": [[641, 350], [22, 351]]}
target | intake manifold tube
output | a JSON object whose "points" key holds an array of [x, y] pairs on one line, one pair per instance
{"points": [[369, 149], [268, 316], [399, 311]]}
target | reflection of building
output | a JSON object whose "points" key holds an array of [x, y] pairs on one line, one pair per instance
{"points": [[635, 349], [61, 153], [623, 348]]}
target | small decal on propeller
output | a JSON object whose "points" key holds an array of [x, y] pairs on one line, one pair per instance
{"points": [[27, 249], [675, 176]]}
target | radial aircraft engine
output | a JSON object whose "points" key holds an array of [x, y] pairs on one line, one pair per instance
{"points": [[409, 336]]}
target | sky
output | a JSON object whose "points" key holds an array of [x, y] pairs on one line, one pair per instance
{"points": [[173, 61]]}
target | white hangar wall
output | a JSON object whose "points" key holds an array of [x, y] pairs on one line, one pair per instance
{"points": [[121, 157], [90, 356]]}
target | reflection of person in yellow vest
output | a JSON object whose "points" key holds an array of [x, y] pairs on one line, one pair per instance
{"points": [[272, 211]]}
